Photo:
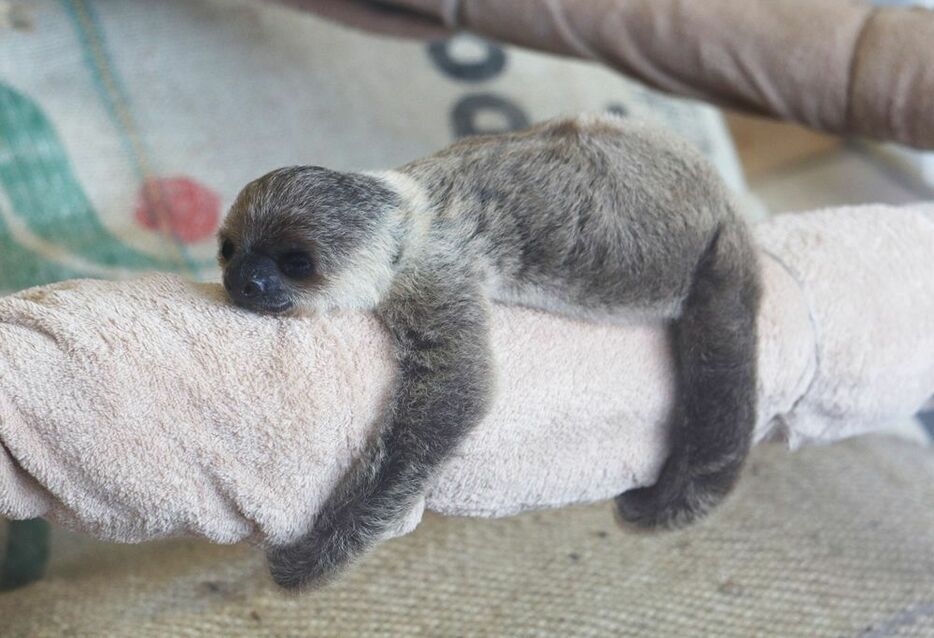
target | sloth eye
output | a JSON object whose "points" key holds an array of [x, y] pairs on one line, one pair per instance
{"points": [[296, 265], [227, 249]]}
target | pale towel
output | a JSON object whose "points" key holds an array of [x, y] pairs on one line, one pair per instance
{"points": [[153, 408]]}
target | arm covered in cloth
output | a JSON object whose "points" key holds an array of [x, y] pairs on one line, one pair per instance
{"points": [[836, 65], [151, 408]]}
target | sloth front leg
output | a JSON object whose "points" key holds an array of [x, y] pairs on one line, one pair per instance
{"points": [[439, 322]]}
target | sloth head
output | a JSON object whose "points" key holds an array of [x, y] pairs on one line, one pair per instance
{"points": [[308, 238]]}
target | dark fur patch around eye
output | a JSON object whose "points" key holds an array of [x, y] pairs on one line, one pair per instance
{"points": [[296, 265], [227, 249]]}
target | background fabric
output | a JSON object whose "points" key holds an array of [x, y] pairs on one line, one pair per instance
{"points": [[129, 127]]}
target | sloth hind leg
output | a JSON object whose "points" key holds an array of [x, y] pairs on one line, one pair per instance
{"points": [[711, 429]]}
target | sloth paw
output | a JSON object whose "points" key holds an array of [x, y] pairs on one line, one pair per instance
{"points": [[305, 565], [317, 558], [676, 500]]}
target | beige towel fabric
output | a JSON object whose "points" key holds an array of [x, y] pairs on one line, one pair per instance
{"points": [[153, 408]]}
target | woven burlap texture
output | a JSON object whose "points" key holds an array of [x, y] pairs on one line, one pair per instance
{"points": [[831, 541]]}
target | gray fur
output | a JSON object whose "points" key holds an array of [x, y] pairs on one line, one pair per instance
{"points": [[587, 217]]}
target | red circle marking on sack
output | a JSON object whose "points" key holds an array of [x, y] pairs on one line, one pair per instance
{"points": [[179, 205]]}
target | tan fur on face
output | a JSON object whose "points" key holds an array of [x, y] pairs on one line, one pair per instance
{"points": [[350, 225]]}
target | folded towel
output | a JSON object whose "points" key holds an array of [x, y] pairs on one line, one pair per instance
{"points": [[150, 408]]}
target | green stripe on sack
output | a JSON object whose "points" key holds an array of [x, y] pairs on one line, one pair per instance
{"points": [[113, 95], [27, 553], [40, 184]]}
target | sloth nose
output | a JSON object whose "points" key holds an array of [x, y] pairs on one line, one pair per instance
{"points": [[253, 280], [255, 287]]}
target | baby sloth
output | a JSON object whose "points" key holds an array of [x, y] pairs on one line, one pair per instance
{"points": [[590, 217]]}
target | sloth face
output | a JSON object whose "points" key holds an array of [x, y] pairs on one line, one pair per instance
{"points": [[307, 238]]}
